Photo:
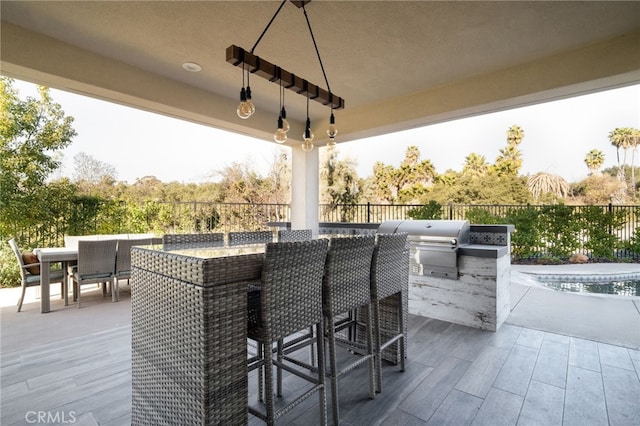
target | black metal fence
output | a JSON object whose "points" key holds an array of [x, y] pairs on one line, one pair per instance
{"points": [[561, 228], [377, 213]]}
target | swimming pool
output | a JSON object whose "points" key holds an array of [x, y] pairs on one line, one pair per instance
{"points": [[621, 288]]}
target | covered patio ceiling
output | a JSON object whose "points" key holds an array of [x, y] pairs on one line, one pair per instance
{"points": [[397, 64]]}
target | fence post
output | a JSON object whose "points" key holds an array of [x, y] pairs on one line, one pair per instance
{"points": [[450, 211], [368, 212], [195, 216], [610, 209]]}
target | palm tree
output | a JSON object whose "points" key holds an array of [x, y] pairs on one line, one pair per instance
{"points": [[509, 161], [625, 138], [475, 165], [594, 161], [515, 134], [543, 183], [634, 140], [619, 137]]}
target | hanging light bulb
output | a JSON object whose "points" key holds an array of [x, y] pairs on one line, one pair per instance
{"points": [[280, 136], [251, 108], [307, 137], [285, 123], [281, 133], [244, 110], [332, 131]]}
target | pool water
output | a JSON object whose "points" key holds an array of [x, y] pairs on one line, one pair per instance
{"points": [[622, 288]]}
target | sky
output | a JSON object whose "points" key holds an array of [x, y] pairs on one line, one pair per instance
{"points": [[137, 143]]}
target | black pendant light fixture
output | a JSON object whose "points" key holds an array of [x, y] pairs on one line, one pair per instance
{"points": [[252, 64]]}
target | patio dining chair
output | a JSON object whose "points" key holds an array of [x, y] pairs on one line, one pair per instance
{"points": [[389, 279], [30, 272], [123, 263], [249, 237], [96, 264], [286, 300]]}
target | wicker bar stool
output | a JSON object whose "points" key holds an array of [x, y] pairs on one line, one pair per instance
{"points": [[389, 278], [346, 287], [215, 239], [290, 300], [249, 237], [295, 235]]}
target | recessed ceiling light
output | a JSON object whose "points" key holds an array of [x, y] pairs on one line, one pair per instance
{"points": [[191, 66]]}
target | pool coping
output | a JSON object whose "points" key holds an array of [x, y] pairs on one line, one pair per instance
{"points": [[592, 316]]}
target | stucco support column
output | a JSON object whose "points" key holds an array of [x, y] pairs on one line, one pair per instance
{"points": [[305, 189]]}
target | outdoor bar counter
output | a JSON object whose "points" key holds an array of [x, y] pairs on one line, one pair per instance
{"points": [[189, 333]]}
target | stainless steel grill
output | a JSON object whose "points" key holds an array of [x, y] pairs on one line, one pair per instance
{"points": [[434, 244]]}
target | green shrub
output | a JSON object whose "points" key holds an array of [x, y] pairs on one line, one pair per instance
{"points": [[431, 210], [599, 225], [478, 215], [525, 240], [559, 228], [9, 271]]}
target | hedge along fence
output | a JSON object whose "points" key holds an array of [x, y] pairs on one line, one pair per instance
{"points": [[601, 232], [558, 231]]}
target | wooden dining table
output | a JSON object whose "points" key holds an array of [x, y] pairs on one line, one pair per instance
{"points": [[47, 256]]}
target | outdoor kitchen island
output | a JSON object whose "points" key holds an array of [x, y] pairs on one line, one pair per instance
{"points": [[459, 273]]}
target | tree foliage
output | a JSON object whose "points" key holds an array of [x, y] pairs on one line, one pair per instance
{"points": [[406, 183], [489, 189], [509, 161], [339, 183], [475, 165], [625, 138], [32, 132], [603, 189], [90, 172], [594, 161], [546, 183]]}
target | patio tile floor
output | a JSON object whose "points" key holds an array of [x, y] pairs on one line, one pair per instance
{"points": [[455, 375]]}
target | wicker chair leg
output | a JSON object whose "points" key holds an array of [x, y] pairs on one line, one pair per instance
{"points": [[312, 351], [260, 373], [402, 342], [115, 290], [21, 298], [376, 339], [322, 393], [333, 368], [279, 348], [268, 379], [370, 350]]}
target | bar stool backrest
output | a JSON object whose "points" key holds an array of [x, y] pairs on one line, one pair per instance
{"points": [[215, 239], [390, 265], [347, 273], [291, 290], [249, 237], [295, 235]]}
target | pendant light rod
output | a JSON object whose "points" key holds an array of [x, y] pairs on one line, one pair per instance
{"points": [[268, 25], [265, 69], [316, 47]]}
